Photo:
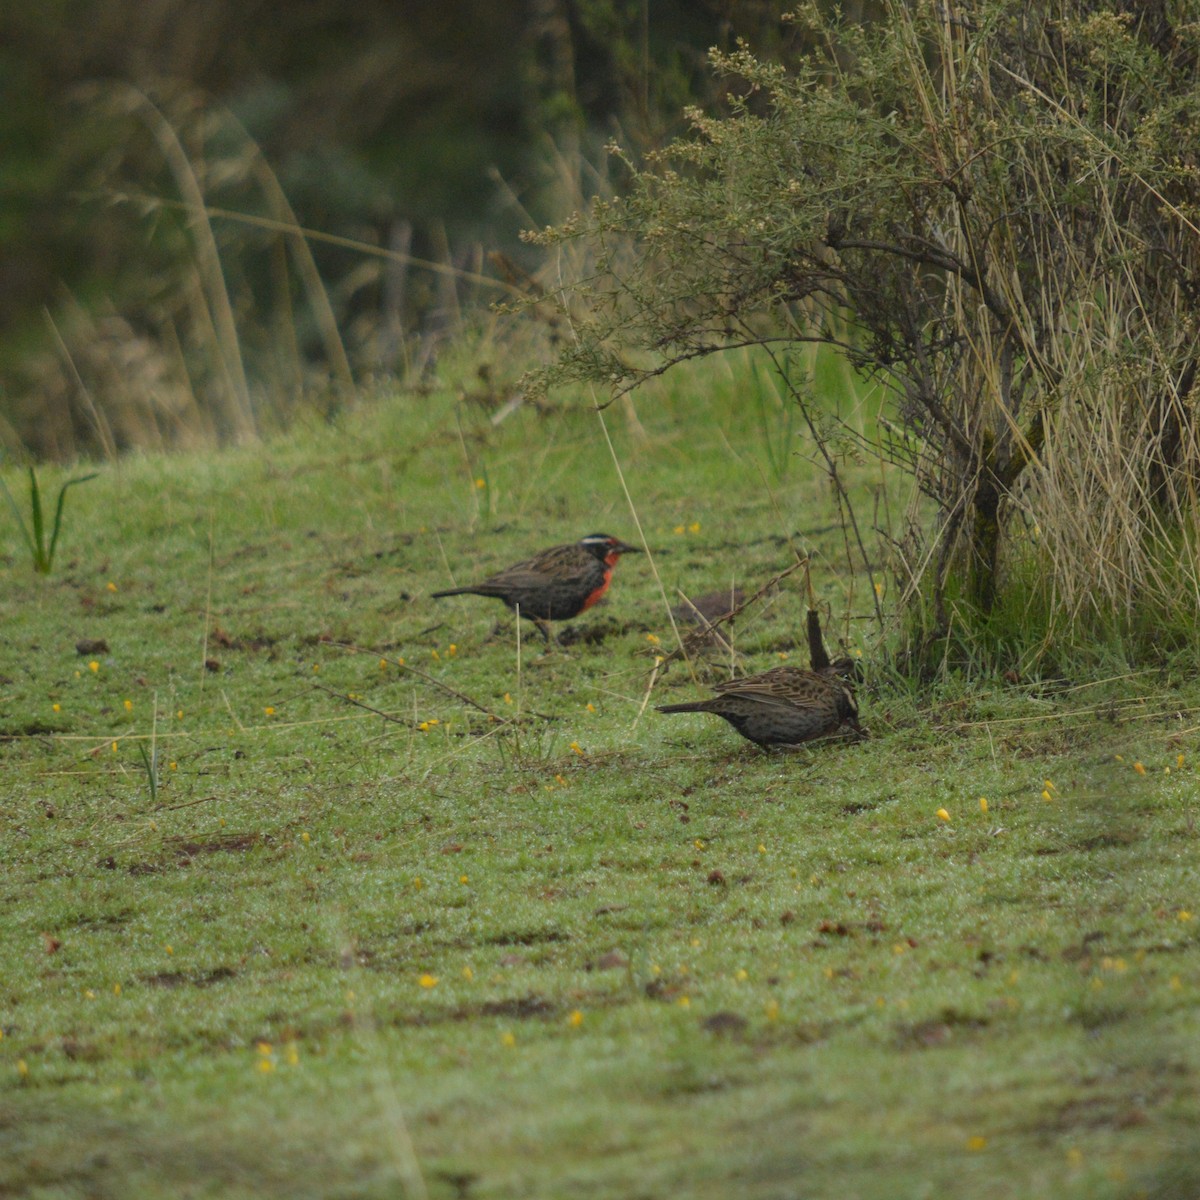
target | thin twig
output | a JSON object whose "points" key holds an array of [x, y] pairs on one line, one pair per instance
{"points": [[706, 626], [185, 804], [843, 496], [320, 687], [658, 662], [745, 604], [465, 699], [354, 649], [681, 648]]}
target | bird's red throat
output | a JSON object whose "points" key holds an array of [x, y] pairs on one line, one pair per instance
{"points": [[604, 586]]}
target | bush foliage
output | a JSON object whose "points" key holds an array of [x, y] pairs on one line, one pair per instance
{"points": [[990, 209]]}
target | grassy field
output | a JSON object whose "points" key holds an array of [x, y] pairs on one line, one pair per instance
{"points": [[406, 909]]}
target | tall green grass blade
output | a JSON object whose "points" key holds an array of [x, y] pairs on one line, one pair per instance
{"points": [[34, 534], [150, 763], [41, 563], [58, 512], [20, 520]]}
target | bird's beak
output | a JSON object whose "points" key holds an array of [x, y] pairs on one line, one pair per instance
{"points": [[624, 548]]}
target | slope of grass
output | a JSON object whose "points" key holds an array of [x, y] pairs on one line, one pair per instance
{"points": [[505, 931]]}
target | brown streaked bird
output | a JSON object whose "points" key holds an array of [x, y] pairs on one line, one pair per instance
{"points": [[556, 584], [782, 707]]}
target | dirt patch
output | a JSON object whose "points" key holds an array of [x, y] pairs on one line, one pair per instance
{"points": [[200, 979], [522, 1008], [596, 633], [937, 1031], [225, 843], [33, 729], [726, 1024], [219, 637], [526, 937]]}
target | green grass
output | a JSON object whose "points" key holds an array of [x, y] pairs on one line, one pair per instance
{"points": [[662, 964]]}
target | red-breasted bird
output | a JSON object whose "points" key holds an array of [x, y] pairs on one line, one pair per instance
{"points": [[784, 706], [556, 584]]}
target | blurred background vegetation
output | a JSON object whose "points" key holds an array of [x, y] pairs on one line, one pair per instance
{"points": [[159, 156]]}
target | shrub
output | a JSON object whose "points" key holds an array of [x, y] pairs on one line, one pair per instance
{"points": [[992, 212]]}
